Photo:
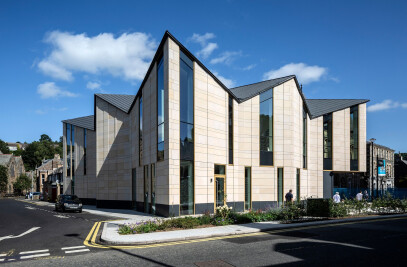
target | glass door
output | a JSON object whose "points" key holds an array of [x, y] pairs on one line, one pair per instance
{"points": [[220, 191], [146, 188]]}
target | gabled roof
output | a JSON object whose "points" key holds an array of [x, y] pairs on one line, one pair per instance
{"points": [[320, 107], [5, 159], [86, 122], [246, 92], [122, 102]]}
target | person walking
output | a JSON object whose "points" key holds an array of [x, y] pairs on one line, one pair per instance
{"points": [[289, 198], [337, 198], [359, 196]]}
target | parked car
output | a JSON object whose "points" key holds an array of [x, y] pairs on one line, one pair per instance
{"points": [[36, 195], [68, 203]]}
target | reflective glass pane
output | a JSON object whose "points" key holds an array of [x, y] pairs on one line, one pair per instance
{"points": [[220, 169], [160, 133], [220, 191], [280, 185], [187, 187], [160, 92], [266, 95], [187, 141], [186, 93], [247, 188], [160, 151]]}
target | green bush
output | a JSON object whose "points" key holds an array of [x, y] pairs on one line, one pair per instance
{"points": [[337, 209], [291, 212], [318, 207]]}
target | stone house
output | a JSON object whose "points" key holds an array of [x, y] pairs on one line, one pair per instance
{"points": [[375, 153], [15, 166], [185, 143], [42, 172]]}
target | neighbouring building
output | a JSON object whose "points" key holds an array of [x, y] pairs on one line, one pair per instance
{"points": [[15, 166], [400, 171], [385, 156], [15, 146], [43, 172], [185, 143]]}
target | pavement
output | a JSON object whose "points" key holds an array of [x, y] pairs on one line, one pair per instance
{"points": [[111, 236]]}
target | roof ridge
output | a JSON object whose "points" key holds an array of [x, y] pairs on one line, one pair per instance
{"points": [[337, 99], [292, 75], [115, 94]]}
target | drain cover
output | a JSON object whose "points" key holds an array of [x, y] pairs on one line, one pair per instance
{"points": [[215, 263]]}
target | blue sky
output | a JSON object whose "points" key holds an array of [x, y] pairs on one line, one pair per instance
{"points": [[56, 54]]}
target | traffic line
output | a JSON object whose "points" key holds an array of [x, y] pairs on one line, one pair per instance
{"points": [[1, 260], [34, 251], [73, 247], [35, 256], [77, 251], [3, 255]]}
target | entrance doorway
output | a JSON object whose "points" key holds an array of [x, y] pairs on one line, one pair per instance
{"points": [[220, 185]]}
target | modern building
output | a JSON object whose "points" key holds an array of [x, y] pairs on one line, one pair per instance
{"points": [[15, 167], [378, 153], [185, 143]]}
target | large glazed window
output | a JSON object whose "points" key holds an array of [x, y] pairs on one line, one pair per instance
{"points": [[186, 135], [68, 150], [73, 160], [280, 186], [266, 128], [160, 110], [354, 138], [298, 184], [84, 151], [304, 139], [230, 130], [328, 142], [140, 138], [247, 188]]}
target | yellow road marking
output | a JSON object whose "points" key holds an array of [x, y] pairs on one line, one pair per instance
{"points": [[91, 242]]}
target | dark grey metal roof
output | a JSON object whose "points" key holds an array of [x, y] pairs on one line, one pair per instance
{"points": [[122, 102], [320, 107], [246, 92], [86, 122]]}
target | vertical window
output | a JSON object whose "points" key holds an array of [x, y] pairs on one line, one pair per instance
{"points": [[186, 136], [146, 188], [247, 188], [68, 150], [266, 128], [140, 137], [160, 111], [327, 142], [153, 188], [73, 159], [280, 185], [304, 139], [298, 185], [84, 151], [230, 130], [354, 138]]}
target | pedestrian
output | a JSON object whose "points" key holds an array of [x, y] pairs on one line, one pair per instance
{"points": [[366, 195], [289, 198], [359, 196], [31, 195], [337, 198]]}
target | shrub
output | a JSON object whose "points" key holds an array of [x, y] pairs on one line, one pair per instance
{"points": [[223, 212], [318, 207], [337, 209], [291, 212]]}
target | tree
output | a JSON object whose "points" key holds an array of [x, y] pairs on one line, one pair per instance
{"points": [[3, 179], [23, 183], [18, 152], [45, 137], [4, 147]]}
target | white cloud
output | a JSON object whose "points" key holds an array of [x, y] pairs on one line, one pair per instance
{"points": [[51, 90], [229, 83], [249, 67], [386, 104], [305, 74], [127, 56], [93, 85], [226, 57], [207, 48]]}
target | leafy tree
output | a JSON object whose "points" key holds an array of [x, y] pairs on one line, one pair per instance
{"points": [[18, 152], [23, 183], [45, 137], [4, 147], [3, 179]]}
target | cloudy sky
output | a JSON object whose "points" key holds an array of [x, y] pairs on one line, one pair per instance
{"points": [[56, 54]]}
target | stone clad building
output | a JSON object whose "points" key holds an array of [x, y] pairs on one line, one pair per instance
{"points": [[185, 143], [15, 167], [379, 152]]}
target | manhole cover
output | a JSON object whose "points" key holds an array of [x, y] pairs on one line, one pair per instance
{"points": [[215, 263]]}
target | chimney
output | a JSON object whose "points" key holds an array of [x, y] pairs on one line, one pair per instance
{"points": [[56, 156]]}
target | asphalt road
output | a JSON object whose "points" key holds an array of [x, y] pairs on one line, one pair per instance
{"points": [[376, 243], [57, 233]]}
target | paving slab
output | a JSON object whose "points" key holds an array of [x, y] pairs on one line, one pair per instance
{"points": [[110, 234]]}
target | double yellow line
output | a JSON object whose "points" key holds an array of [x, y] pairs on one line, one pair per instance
{"points": [[91, 238]]}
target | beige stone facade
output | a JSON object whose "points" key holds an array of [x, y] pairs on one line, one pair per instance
{"points": [[121, 178]]}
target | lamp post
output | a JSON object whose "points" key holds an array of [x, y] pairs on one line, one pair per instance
{"points": [[371, 171]]}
